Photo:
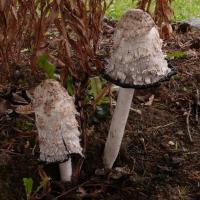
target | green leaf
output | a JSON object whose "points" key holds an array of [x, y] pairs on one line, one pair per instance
{"points": [[105, 100], [102, 111], [46, 66], [70, 86], [28, 184], [95, 86], [43, 183], [176, 54]]}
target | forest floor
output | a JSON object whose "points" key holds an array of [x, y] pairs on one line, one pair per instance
{"points": [[160, 154]]}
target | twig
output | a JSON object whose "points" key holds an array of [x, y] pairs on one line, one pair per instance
{"points": [[72, 189], [136, 111], [10, 152], [192, 153], [188, 123], [197, 106], [162, 126], [33, 150], [103, 93]]}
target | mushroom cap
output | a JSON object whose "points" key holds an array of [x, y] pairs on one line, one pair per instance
{"points": [[56, 122], [134, 23], [137, 60]]}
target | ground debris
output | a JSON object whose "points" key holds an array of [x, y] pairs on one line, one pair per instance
{"points": [[157, 161]]}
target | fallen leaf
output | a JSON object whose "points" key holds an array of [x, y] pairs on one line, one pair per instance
{"points": [[24, 109], [171, 143], [150, 102], [3, 106]]}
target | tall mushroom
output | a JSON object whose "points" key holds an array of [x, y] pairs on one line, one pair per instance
{"points": [[57, 126], [136, 61]]}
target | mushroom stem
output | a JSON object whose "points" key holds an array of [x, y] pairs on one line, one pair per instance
{"points": [[117, 127], [66, 170]]}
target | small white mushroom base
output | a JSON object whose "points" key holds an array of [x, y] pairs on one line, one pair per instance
{"points": [[66, 170], [117, 127]]}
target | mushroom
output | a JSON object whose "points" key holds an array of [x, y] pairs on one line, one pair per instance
{"points": [[57, 126], [136, 61]]}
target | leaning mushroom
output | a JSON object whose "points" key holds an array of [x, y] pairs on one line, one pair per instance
{"points": [[57, 126], [136, 61]]}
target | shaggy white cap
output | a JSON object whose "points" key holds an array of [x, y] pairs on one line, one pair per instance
{"points": [[137, 58], [56, 123]]}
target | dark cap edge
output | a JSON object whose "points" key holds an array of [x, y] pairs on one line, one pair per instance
{"points": [[125, 85]]}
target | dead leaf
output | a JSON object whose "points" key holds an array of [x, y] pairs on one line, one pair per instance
{"points": [[150, 102], [166, 30], [82, 192], [171, 143], [3, 4], [119, 172], [136, 111], [24, 109], [3, 106]]}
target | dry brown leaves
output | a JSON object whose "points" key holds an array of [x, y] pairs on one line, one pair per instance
{"points": [[162, 15], [80, 26], [24, 24]]}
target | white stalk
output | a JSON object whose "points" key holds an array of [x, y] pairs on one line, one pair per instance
{"points": [[66, 170], [117, 126]]}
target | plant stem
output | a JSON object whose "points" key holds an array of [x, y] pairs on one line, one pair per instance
{"points": [[66, 170], [117, 127]]}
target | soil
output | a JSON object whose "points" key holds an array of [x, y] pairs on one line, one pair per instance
{"points": [[160, 153]]}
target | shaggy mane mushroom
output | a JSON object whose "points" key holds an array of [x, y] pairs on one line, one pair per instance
{"points": [[57, 126], [136, 61]]}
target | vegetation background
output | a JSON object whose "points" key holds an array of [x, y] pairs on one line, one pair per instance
{"points": [[183, 9]]}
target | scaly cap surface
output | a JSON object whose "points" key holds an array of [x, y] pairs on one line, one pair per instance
{"points": [[137, 60], [56, 123]]}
